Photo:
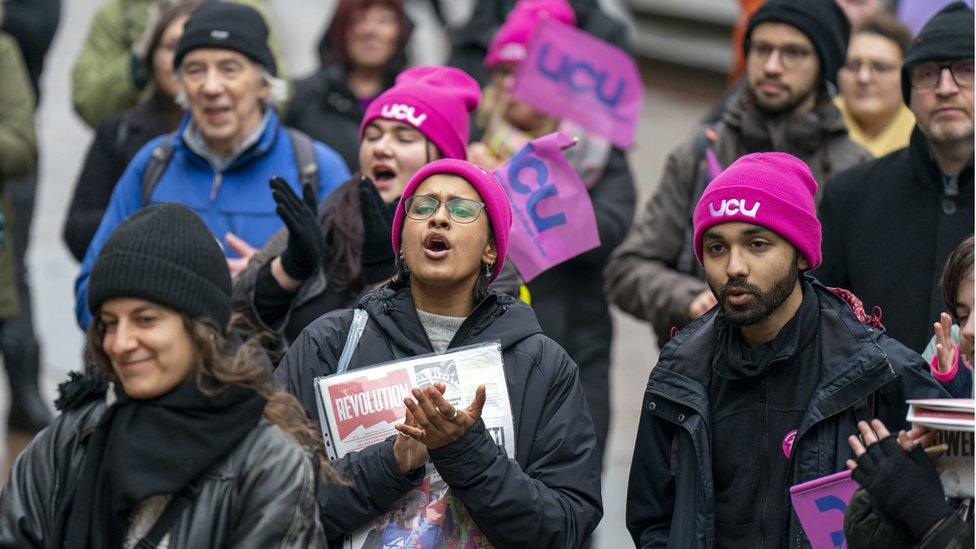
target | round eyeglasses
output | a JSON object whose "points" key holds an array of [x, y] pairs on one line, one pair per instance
{"points": [[461, 210]]}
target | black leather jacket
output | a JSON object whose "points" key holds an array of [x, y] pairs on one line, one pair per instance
{"points": [[261, 495]]}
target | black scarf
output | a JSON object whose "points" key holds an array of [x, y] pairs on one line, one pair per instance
{"points": [[142, 448]]}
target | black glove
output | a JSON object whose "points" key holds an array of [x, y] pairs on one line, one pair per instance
{"points": [[905, 486], [306, 244], [376, 257]]}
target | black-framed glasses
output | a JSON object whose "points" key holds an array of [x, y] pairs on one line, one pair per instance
{"points": [[927, 75], [461, 210], [789, 55]]}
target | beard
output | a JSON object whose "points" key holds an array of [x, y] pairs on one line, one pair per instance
{"points": [[950, 133], [762, 304], [787, 105]]}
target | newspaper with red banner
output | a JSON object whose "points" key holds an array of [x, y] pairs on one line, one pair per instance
{"points": [[359, 408]]}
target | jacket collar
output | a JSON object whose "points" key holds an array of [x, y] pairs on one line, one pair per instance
{"points": [[497, 317], [802, 134], [926, 170], [853, 367], [256, 145]]}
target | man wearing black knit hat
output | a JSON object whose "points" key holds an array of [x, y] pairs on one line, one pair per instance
{"points": [[890, 225], [227, 148], [793, 50]]}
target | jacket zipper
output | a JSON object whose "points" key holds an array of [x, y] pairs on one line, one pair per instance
{"points": [[215, 186], [763, 461]]}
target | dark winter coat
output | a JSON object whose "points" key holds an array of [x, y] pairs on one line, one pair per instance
{"points": [[654, 274], [261, 495], [888, 229], [569, 300], [865, 527], [117, 140], [670, 498], [469, 42], [325, 108], [548, 496]]}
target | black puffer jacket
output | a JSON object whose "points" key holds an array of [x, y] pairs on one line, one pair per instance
{"points": [[670, 498], [261, 495], [324, 107], [548, 496]]}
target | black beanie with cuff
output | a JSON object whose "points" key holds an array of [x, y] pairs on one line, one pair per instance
{"points": [[228, 26], [948, 36], [164, 253], [822, 21]]}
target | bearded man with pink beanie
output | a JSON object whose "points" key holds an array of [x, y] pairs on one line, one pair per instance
{"points": [[761, 392]]}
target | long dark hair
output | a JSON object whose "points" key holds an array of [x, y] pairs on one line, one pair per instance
{"points": [[343, 231], [332, 46], [219, 367], [174, 12]]}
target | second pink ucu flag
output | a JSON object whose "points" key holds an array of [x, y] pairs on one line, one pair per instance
{"points": [[552, 215]]}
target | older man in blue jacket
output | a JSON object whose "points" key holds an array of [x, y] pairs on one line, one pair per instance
{"points": [[228, 146]]}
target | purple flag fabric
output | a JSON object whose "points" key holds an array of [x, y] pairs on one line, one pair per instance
{"points": [[552, 216], [820, 506], [914, 14], [573, 75]]}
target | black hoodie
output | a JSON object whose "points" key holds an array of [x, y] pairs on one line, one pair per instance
{"points": [[548, 496]]}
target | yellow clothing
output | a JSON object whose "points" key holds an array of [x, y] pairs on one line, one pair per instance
{"points": [[892, 138]]}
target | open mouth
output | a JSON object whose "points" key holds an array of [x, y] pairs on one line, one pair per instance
{"points": [[383, 175], [436, 245]]}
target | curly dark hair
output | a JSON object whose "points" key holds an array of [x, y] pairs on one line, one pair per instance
{"points": [[219, 367], [957, 268]]}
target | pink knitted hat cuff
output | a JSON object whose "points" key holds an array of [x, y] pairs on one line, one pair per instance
{"points": [[415, 112], [488, 188], [794, 223]]}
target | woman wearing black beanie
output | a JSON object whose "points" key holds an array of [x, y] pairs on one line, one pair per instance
{"points": [[191, 444]]}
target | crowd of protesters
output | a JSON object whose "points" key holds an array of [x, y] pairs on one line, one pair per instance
{"points": [[806, 264]]}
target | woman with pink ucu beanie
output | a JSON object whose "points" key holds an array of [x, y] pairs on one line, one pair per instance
{"points": [[329, 253], [569, 298], [450, 234], [761, 392]]}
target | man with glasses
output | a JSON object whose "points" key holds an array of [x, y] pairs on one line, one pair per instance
{"points": [[889, 225], [793, 48]]}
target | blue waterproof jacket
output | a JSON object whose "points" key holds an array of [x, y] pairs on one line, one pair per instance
{"points": [[236, 200]]}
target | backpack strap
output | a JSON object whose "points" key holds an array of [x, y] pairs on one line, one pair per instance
{"points": [[359, 319], [155, 168], [308, 166], [167, 519]]}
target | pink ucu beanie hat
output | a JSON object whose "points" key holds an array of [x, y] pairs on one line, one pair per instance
{"points": [[512, 39], [774, 190], [492, 194], [435, 100]]}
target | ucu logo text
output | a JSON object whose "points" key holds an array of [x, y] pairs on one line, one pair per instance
{"points": [[398, 111], [581, 77], [733, 206]]}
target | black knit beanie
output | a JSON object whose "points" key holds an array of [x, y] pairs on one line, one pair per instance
{"points": [[947, 36], [822, 21], [227, 26], [164, 253]]}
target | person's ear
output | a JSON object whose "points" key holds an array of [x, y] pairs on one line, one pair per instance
{"points": [[491, 253], [802, 263]]}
